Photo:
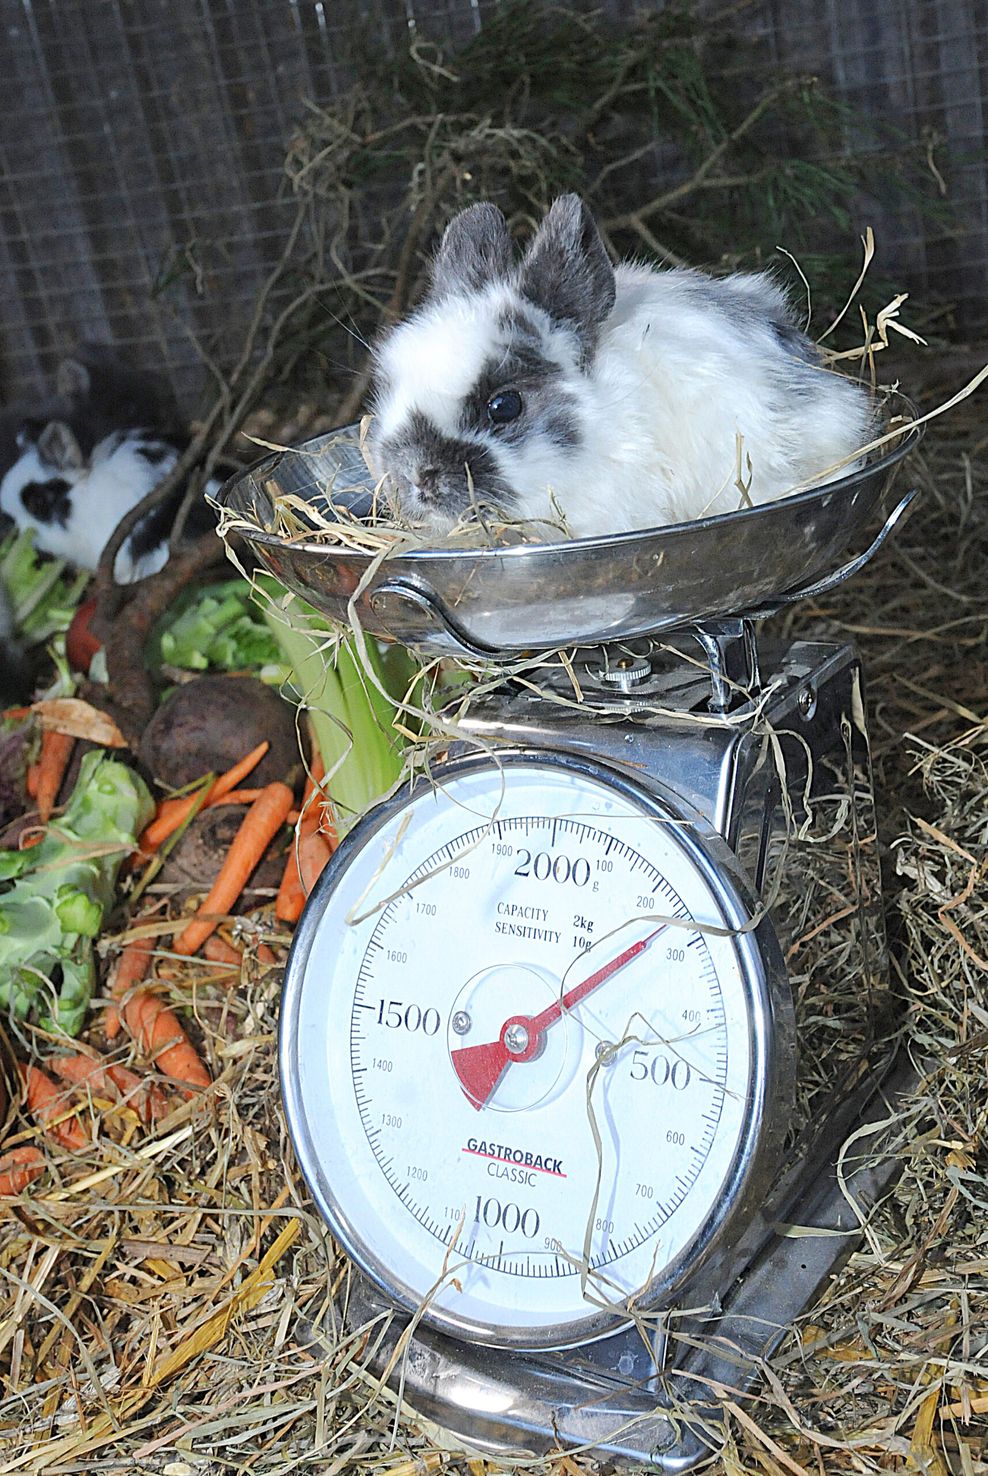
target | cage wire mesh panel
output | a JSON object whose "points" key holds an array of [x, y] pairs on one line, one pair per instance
{"points": [[142, 194]]}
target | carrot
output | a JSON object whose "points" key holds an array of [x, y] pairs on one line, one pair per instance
{"points": [[18, 1168], [308, 853], [237, 797], [265, 955], [218, 950], [112, 1080], [14, 714], [151, 1101], [132, 968], [47, 1103], [291, 894], [260, 825], [228, 958], [56, 751], [319, 811], [172, 812], [160, 1034], [84, 1071], [313, 853], [31, 781]]}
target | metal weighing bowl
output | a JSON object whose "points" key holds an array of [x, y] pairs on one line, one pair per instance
{"points": [[499, 601]]}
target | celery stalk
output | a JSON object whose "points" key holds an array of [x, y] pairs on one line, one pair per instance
{"points": [[351, 719]]}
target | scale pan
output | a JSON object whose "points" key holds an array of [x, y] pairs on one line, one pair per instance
{"points": [[536, 596]]}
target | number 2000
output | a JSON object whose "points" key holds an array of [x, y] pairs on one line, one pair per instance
{"points": [[560, 868]]}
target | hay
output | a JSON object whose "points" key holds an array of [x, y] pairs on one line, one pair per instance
{"points": [[159, 1289], [681, 158]]}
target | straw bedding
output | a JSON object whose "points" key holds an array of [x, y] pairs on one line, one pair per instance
{"points": [[157, 1289]]}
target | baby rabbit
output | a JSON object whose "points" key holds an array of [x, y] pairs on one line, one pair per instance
{"points": [[611, 398], [77, 476], [74, 502]]}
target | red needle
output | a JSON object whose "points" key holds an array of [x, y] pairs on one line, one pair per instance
{"points": [[480, 1067]]}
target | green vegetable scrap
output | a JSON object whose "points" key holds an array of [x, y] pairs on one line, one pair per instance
{"points": [[352, 711], [54, 896], [217, 627], [314, 662], [42, 596]]}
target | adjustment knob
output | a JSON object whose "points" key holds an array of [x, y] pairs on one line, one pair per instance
{"points": [[625, 674]]}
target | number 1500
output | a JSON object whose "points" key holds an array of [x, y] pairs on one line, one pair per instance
{"points": [[398, 1016]]}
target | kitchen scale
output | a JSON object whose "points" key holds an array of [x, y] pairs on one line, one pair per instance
{"points": [[576, 1029]]}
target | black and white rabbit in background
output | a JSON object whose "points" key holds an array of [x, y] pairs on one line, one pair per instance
{"points": [[77, 474], [72, 467], [612, 398]]}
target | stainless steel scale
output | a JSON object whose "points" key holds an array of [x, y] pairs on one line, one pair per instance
{"points": [[553, 1054]]}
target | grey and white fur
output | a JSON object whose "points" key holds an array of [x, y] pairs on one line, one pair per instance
{"points": [[73, 468], [79, 473], [618, 398]]}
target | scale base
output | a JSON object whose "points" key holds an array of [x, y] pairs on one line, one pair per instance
{"points": [[712, 732]]}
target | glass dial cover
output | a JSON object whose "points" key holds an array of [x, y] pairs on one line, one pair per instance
{"points": [[528, 1052]]}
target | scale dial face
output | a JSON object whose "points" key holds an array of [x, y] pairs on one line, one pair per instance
{"points": [[527, 1056]]}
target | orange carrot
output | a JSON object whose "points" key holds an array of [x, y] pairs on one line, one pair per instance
{"points": [[237, 797], [314, 851], [47, 1103], [306, 856], [150, 1100], [84, 1071], [18, 1168], [14, 714], [218, 950], [56, 751], [318, 814], [160, 1034], [233, 777], [31, 781], [133, 967], [265, 954], [172, 812], [260, 825], [112, 1080], [291, 894]]}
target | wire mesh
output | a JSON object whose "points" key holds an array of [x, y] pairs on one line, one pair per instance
{"points": [[142, 198]]}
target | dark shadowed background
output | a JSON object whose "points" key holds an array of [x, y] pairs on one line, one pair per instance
{"points": [[142, 182]]}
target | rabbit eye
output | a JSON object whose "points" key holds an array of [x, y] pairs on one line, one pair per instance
{"points": [[504, 406]]}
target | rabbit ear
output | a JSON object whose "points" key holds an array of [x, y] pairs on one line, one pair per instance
{"points": [[474, 252], [72, 380], [57, 445], [566, 270], [28, 434]]}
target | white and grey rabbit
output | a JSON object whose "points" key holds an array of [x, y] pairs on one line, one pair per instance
{"points": [[619, 397], [77, 475]]}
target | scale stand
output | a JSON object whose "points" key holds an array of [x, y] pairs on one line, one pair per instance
{"points": [[695, 711], [758, 745]]}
